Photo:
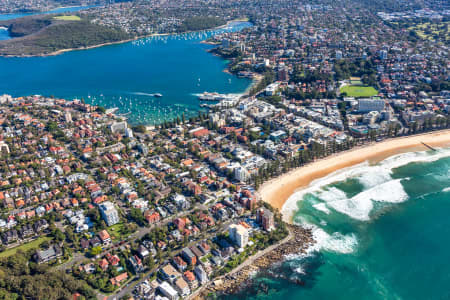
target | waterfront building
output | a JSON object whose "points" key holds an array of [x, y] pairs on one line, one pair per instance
{"points": [[238, 234], [266, 219], [241, 174], [118, 127]]}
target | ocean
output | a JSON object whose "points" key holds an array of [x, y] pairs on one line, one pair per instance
{"points": [[126, 75], [382, 232]]}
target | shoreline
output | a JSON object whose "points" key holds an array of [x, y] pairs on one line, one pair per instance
{"points": [[298, 241], [61, 51], [278, 190]]}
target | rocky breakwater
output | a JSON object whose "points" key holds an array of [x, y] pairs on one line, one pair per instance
{"points": [[298, 241]]}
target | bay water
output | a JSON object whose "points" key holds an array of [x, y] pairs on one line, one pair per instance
{"points": [[382, 231]]}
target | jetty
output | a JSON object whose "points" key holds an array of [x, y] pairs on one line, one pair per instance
{"points": [[429, 147]]}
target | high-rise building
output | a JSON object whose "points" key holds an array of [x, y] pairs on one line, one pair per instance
{"points": [[68, 117], [266, 219], [368, 105], [283, 73], [238, 234], [109, 213], [4, 147], [201, 274], [241, 174]]}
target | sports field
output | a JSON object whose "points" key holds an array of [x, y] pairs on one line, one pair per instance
{"points": [[358, 91], [68, 18]]}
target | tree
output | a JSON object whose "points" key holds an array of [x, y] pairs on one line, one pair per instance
{"points": [[58, 235], [95, 251], [137, 216]]}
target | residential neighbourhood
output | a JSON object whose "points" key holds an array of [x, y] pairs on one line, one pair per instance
{"points": [[167, 211]]}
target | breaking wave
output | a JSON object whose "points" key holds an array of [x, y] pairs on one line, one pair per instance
{"points": [[327, 196], [376, 179]]}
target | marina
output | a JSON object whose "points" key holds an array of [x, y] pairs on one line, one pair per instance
{"points": [[158, 80]]}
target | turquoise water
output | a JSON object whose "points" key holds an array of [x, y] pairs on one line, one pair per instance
{"points": [[383, 232], [125, 75], [4, 34]]}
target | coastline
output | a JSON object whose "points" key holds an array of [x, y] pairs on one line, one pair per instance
{"points": [[61, 51], [298, 241], [277, 191]]}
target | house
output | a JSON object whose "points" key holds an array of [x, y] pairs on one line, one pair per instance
{"points": [[152, 216], [26, 231], [180, 223], [40, 225], [84, 243], [104, 237], [142, 251], [95, 241], [119, 278], [113, 260], [43, 256], [136, 263], [103, 264], [10, 236], [88, 268]]}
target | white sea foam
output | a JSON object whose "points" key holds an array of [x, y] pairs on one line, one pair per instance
{"points": [[360, 206], [322, 207], [376, 179], [331, 194], [300, 270], [142, 94], [391, 191], [447, 189], [356, 208], [336, 242]]}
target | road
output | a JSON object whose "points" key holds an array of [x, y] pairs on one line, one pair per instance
{"points": [[246, 263], [128, 289]]}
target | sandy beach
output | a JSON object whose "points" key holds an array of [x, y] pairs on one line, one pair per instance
{"points": [[278, 190]]}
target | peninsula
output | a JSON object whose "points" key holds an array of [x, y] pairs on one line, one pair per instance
{"points": [[52, 34], [94, 206]]}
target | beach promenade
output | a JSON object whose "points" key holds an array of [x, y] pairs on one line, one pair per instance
{"points": [[279, 189]]}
